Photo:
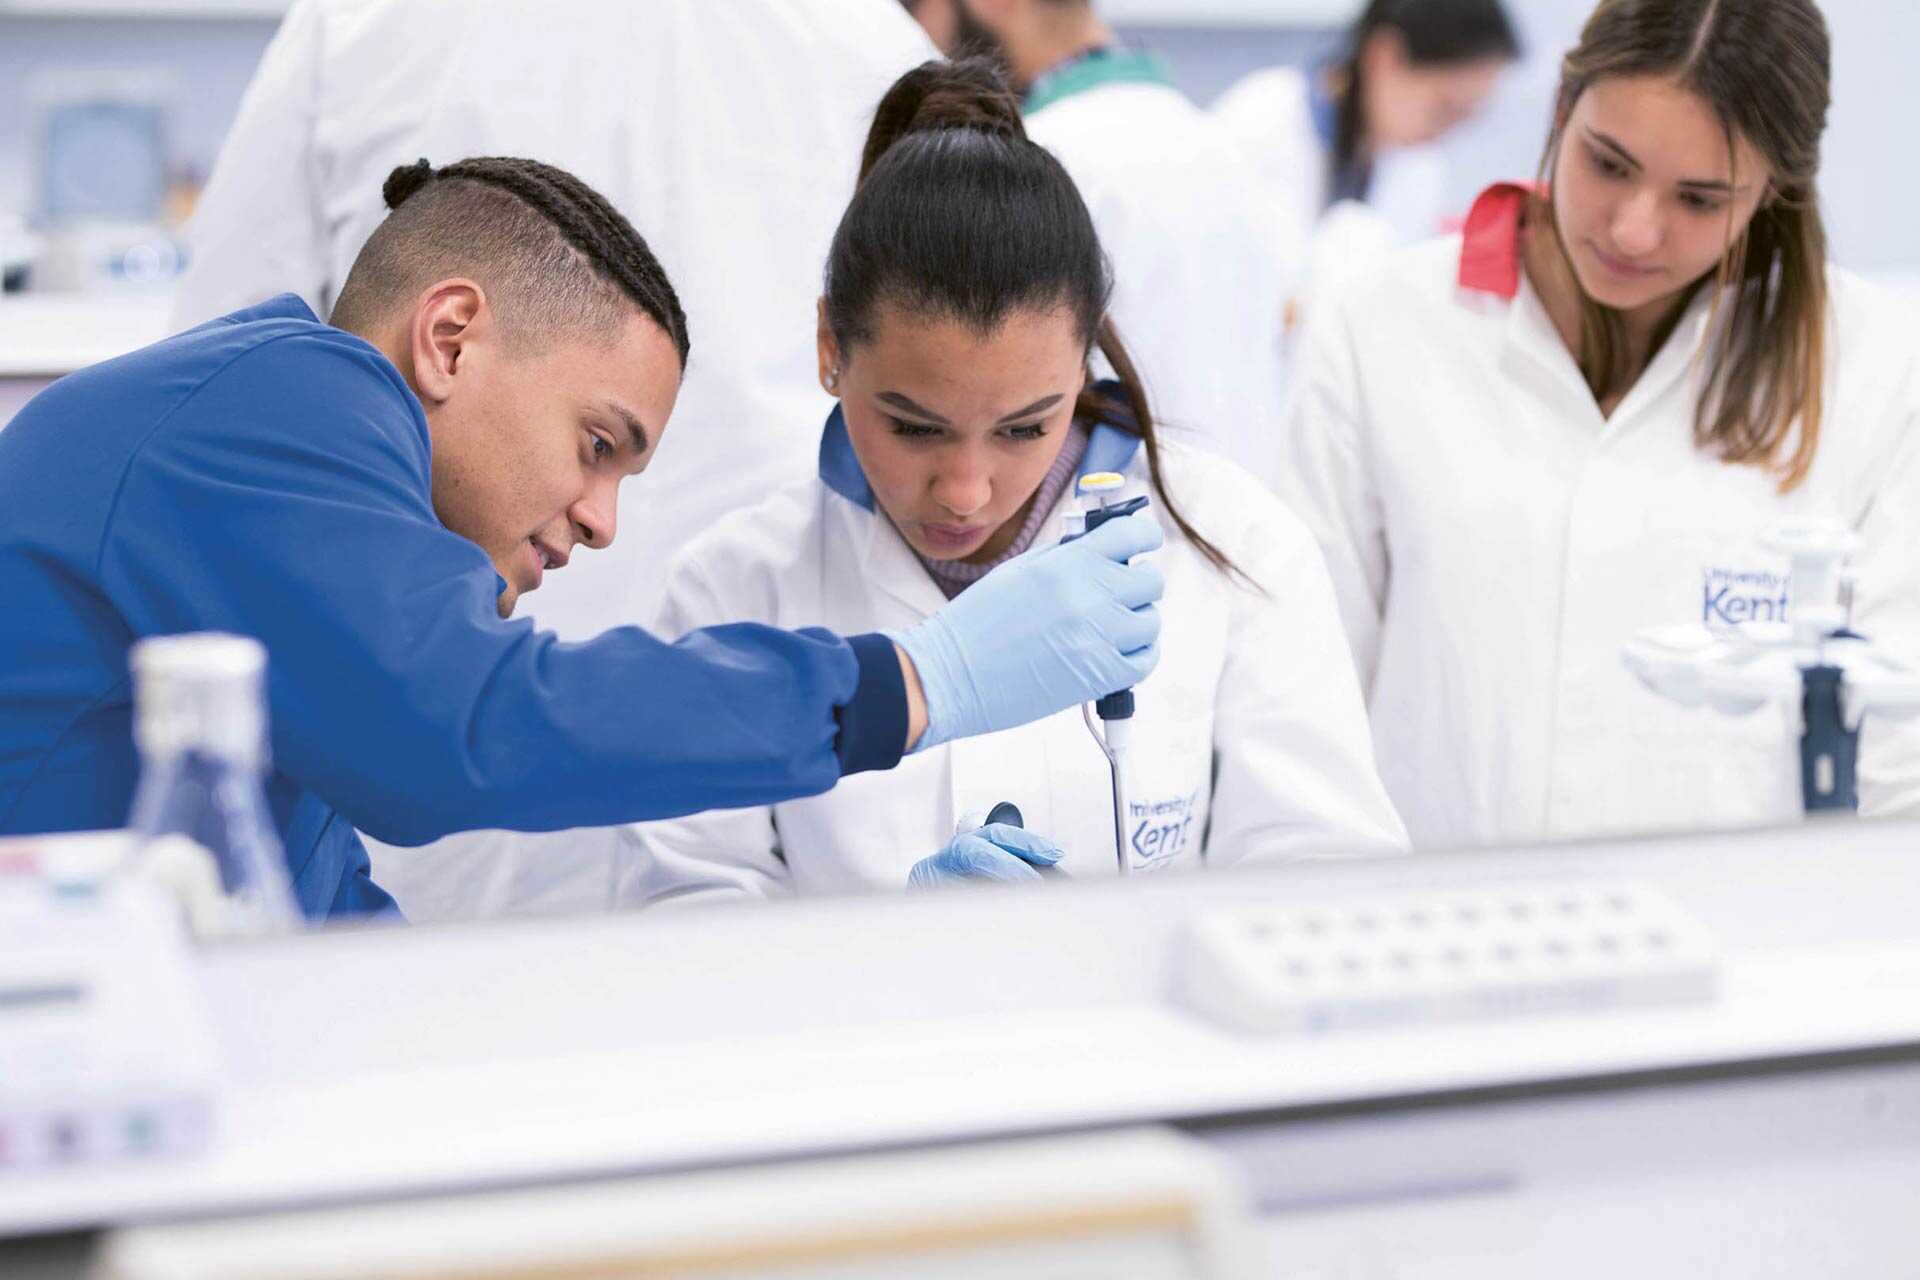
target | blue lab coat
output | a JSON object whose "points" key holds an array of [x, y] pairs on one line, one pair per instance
{"points": [[268, 475]]}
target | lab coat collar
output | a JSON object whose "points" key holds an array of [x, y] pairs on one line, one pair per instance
{"points": [[1115, 437], [839, 466], [1490, 264], [1110, 449], [1532, 334], [1108, 64], [1490, 242], [285, 306], [1671, 368]]}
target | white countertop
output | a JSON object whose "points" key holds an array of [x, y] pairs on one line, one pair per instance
{"points": [[384, 1062], [49, 335]]}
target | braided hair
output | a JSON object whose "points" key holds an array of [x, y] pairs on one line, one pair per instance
{"points": [[551, 250]]}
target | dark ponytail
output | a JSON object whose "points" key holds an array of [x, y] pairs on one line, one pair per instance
{"points": [[958, 214]]}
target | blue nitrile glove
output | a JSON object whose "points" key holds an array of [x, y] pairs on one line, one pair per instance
{"points": [[1048, 630], [996, 852]]}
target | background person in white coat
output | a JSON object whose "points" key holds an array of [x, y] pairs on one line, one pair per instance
{"points": [[965, 293], [730, 132], [1345, 151], [1523, 445], [1194, 289]]}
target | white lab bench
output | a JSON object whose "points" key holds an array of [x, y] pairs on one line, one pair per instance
{"points": [[45, 336], [372, 1064]]}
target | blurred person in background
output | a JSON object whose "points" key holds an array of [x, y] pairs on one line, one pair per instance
{"points": [[1345, 150]]}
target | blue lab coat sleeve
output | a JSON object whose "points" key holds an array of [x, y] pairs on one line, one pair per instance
{"points": [[290, 499]]}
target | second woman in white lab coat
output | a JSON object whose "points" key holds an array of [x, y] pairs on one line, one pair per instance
{"points": [[1524, 445], [965, 293]]}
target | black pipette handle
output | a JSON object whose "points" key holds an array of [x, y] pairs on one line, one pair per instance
{"points": [[1100, 515], [1115, 706]]}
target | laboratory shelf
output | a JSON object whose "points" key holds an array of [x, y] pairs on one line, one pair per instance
{"points": [[48, 335]]}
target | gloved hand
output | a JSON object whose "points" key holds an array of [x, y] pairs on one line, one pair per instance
{"points": [[1058, 626], [996, 852]]}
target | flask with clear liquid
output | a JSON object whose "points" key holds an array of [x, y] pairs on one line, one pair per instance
{"points": [[200, 723]]}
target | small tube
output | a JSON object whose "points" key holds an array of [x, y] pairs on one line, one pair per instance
{"points": [[1106, 743]]}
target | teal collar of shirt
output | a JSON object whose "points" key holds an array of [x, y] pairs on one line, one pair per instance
{"points": [[1111, 449], [1108, 64]]}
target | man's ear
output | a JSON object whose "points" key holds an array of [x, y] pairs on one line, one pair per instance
{"points": [[448, 317]]}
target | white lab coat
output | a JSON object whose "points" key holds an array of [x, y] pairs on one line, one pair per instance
{"points": [[728, 131], [1266, 115], [1495, 542], [1197, 301], [1249, 741]]}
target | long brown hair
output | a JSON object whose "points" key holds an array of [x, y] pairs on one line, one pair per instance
{"points": [[958, 213], [1764, 67]]}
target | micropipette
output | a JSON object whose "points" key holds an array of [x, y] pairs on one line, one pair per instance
{"points": [[1115, 711], [1816, 663]]}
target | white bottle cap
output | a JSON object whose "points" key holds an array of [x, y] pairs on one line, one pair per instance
{"points": [[203, 691]]}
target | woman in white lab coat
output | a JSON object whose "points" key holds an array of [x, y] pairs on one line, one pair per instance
{"points": [[1345, 150], [965, 294], [1523, 445]]}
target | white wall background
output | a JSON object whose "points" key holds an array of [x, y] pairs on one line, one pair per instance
{"points": [[208, 61], [1870, 189]]}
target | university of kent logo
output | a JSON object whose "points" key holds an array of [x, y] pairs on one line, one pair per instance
{"points": [[1732, 596], [1159, 831]]}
